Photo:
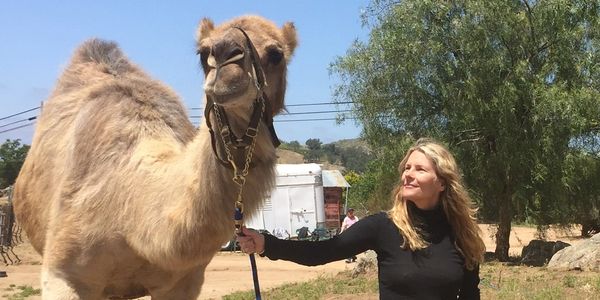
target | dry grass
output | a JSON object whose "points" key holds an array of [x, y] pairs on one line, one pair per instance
{"points": [[341, 286], [498, 281], [289, 157]]}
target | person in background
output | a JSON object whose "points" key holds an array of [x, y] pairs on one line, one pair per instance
{"points": [[428, 245], [349, 220]]}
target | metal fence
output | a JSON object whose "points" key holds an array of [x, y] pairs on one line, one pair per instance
{"points": [[9, 231]]}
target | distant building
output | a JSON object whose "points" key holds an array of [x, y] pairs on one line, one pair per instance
{"points": [[334, 184]]}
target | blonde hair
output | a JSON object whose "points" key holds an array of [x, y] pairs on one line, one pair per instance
{"points": [[456, 203]]}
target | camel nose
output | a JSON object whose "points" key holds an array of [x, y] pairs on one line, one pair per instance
{"points": [[226, 51]]}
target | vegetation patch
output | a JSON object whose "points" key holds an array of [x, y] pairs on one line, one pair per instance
{"points": [[498, 281], [341, 284], [24, 291]]}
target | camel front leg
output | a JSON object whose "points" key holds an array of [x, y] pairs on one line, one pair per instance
{"points": [[56, 287], [187, 288]]}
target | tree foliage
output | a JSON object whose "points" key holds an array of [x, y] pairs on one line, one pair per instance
{"points": [[511, 86], [313, 144], [371, 191], [354, 158], [292, 146], [12, 156], [353, 155], [314, 150], [582, 204]]}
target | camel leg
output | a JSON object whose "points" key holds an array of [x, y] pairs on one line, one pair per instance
{"points": [[56, 287], [61, 277], [187, 288]]}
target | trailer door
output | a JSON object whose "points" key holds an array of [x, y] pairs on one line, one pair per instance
{"points": [[302, 207]]}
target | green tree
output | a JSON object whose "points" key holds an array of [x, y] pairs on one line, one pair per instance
{"points": [[352, 177], [313, 144], [582, 204], [354, 158], [331, 153], [12, 156], [508, 85], [372, 190], [314, 150], [294, 146]]}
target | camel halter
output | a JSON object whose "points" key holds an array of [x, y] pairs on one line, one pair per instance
{"points": [[246, 143], [260, 106]]}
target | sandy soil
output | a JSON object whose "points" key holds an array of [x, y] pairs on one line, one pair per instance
{"points": [[229, 272]]}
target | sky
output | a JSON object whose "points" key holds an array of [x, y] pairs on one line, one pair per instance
{"points": [[37, 39]]}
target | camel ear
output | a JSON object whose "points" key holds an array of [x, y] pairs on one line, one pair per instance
{"points": [[290, 38], [205, 27]]}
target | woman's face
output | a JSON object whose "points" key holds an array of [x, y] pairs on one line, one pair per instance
{"points": [[420, 183]]}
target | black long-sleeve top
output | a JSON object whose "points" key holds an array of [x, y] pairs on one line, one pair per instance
{"points": [[436, 272]]}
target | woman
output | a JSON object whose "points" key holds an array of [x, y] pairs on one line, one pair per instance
{"points": [[349, 220], [428, 245]]}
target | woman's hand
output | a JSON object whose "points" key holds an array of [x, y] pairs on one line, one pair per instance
{"points": [[251, 241]]}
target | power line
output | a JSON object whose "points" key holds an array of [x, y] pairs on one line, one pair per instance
{"points": [[319, 103], [20, 113], [196, 117], [15, 122], [298, 113], [18, 127], [316, 119], [197, 122], [301, 104], [316, 112], [200, 108]]}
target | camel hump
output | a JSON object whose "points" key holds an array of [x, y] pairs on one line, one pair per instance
{"points": [[104, 53], [94, 60]]}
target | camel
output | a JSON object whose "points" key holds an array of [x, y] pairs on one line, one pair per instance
{"points": [[121, 195]]}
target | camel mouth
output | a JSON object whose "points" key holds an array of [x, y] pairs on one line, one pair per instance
{"points": [[237, 99], [230, 89]]}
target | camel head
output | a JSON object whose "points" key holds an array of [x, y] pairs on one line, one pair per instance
{"points": [[227, 65]]}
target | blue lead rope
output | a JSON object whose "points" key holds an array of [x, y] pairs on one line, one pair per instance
{"points": [[239, 218], [255, 277]]}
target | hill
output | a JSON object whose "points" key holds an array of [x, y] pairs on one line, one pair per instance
{"points": [[289, 157], [353, 143], [352, 154]]}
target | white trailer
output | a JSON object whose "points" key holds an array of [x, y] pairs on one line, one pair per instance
{"points": [[296, 202]]}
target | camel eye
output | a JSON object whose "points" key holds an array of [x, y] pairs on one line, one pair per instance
{"points": [[204, 52], [274, 55], [235, 52]]}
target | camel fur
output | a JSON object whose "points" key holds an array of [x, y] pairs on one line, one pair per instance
{"points": [[121, 195]]}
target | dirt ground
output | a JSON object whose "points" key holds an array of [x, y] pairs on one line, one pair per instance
{"points": [[229, 272]]}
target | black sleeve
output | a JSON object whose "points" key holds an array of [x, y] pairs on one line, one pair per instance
{"points": [[358, 238], [470, 287]]}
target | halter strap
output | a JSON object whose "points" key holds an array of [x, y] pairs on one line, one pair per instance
{"points": [[261, 110]]}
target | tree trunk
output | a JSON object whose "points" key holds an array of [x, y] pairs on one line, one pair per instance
{"points": [[590, 227], [505, 217]]}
